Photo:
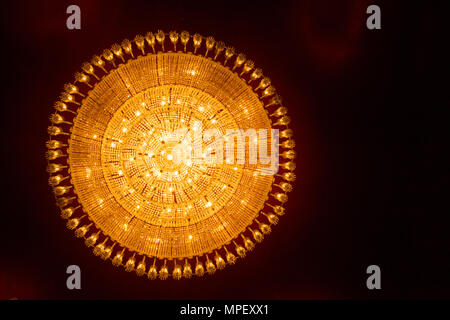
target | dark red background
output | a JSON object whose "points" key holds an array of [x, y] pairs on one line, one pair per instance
{"points": [[364, 108]]}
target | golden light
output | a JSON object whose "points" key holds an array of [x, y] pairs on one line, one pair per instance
{"points": [[113, 166]]}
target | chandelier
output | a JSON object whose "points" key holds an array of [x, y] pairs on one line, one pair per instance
{"points": [[135, 173]]}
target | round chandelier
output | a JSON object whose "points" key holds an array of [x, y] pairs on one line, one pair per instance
{"points": [[170, 155]]}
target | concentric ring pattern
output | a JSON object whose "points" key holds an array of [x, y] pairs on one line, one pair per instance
{"points": [[135, 172]]}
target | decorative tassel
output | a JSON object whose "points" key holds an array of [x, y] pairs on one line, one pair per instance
{"points": [[67, 97], [220, 46], [70, 88], [273, 219], [58, 119], [199, 270], [197, 42], [184, 37], [258, 236], [92, 239], [164, 272], [286, 187], [81, 231], [126, 45], [187, 270], [288, 144], [240, 59], [109, 56], [229, 52], [248, 66], [265, 82], [231, 258], [82, 78], [290, 154], [210, 267], [240, 250], [279, 210], [281, 111], [98, 62], [265, 228], [210, 42], [160, 36], [283, 121], [174, 39], [53, 167], [62, 202], [152, 271], [268, 92], [73, 223], [88, 68], [288, 166], [55, 144], [150, 38], [276, 100], [256, 74], [129, 266], [117, 260], [117, 50], [220, 263], [59, 191], [176, 274], [106, 252], [98, 249], [61, 107], [140, 43], [249, 245], [288, 176], [67, 213], [288, 133], [55, 154], [282, 197], [140, 269], [55, 180]]}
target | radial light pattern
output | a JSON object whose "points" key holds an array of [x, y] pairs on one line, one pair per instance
{"points": [[112, 155]]}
